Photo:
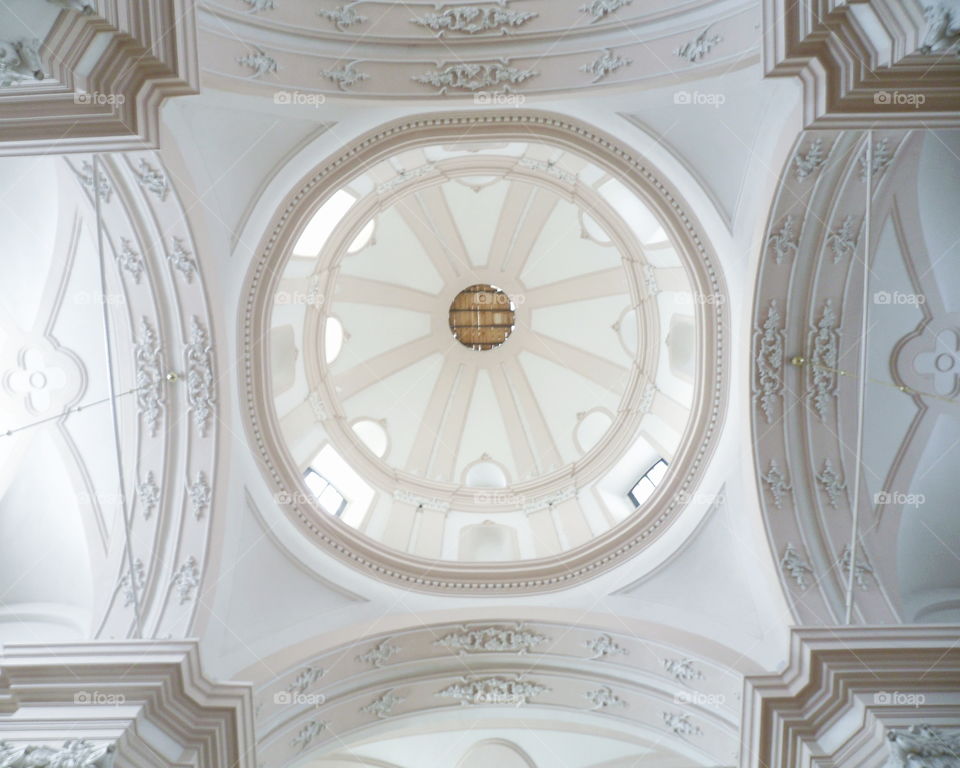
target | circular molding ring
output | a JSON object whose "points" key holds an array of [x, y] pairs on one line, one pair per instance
{"points": [[546, 574]]}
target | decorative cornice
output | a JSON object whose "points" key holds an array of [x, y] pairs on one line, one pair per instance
{"points": [[75, 753], [881, 157], [148, 494], [152, 180], [603, 646], [682, 669], [179, 258], [842, 241], [200, 388], [200, 494], [493, 639], [474, 19], [700, 46], [777, 482], [187, 579], [830, 482], [862, 570], [604, 698], [548, 167], [307, 733], [86, 178], [382, 706], [342, 16], [132, 582], [680, 724], [476, 76], [795, 567], [607, 62], [825, 342], [346, 76], [259, 62], [493, 690], [808, 164], [306, 678], [130, 260], [599, 9], [783, 244], [769, 361], [149, 377], [379, 654]]}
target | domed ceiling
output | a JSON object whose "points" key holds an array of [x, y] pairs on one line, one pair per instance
{"points": [[520, 448]]}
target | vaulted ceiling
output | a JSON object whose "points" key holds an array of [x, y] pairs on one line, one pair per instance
{"points": [[236, 410]]}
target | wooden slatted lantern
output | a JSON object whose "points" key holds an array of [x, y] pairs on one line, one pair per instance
{"points": [[481, 317]]}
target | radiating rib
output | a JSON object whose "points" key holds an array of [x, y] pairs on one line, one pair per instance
{"points": [[597, 369], [369, 372], [597, 285]]}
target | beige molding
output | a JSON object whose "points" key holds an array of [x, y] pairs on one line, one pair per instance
{"points": [[856, 60], [841, 691], [148, 698], [147, 53]]}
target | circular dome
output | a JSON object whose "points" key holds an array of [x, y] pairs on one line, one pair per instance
{"points": [[480, 277]]}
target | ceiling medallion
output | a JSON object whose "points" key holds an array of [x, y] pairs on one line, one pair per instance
{"points": [[496, 332]]}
